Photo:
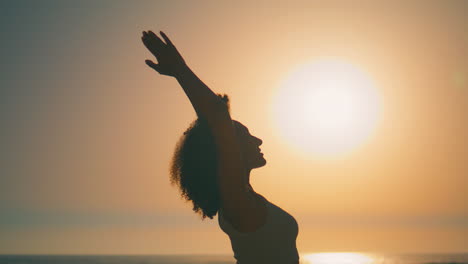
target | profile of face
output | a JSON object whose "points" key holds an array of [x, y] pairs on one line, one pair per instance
{"points": [[250, 147]]}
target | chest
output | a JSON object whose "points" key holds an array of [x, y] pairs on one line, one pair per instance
{"points": [[282, 224]]}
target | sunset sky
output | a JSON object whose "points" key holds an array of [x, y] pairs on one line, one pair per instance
{"points": [[88, 130]]}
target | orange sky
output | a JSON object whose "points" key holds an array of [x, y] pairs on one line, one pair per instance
{"points": [[89, 129]]}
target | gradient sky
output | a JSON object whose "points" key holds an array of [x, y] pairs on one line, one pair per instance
{"points": [[88, 130]]}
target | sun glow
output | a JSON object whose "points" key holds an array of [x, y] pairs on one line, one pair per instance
{"points": [[326, 107], [336, 258]]}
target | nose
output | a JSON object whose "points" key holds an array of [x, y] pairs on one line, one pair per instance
{"points": [[259, 141]]}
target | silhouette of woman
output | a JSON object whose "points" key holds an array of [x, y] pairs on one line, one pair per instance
{"points": [[212, 164]]}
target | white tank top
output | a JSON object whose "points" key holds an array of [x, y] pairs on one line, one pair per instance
{"points": [[274, 242]]}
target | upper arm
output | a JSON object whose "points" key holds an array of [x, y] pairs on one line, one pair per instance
{"points": [[239, 205]]}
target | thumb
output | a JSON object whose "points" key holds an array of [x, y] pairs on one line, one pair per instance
{"points": [[152, 65]]}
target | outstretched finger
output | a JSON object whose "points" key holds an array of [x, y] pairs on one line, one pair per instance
{"points": [[168, 41], [151, 46], [152, 65], [155, 38]]}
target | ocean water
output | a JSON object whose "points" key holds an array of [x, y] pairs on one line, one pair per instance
{"points": [[312, 258]]}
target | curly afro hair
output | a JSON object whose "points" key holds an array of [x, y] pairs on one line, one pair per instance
{"points": [[194, 167]]}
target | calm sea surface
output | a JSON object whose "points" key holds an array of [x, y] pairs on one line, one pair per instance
{"points": [[313, 258]]}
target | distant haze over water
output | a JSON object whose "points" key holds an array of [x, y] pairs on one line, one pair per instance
{"points": [[318, 258]]}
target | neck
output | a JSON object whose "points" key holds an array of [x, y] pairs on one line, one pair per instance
{"points": [[247, 180]]}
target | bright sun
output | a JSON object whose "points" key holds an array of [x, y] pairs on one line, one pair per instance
{"points": [[326, 107]]}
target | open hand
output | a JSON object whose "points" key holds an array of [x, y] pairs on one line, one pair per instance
{"points": [[170, 62]]}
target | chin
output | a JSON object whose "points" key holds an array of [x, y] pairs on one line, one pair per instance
{"points": [[260, 163]]}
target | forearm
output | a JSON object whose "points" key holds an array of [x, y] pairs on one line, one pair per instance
{"points": [[205, 102]]}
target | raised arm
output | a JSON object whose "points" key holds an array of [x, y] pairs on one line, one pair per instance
{"points": [[206, 103], [237, 203]]}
